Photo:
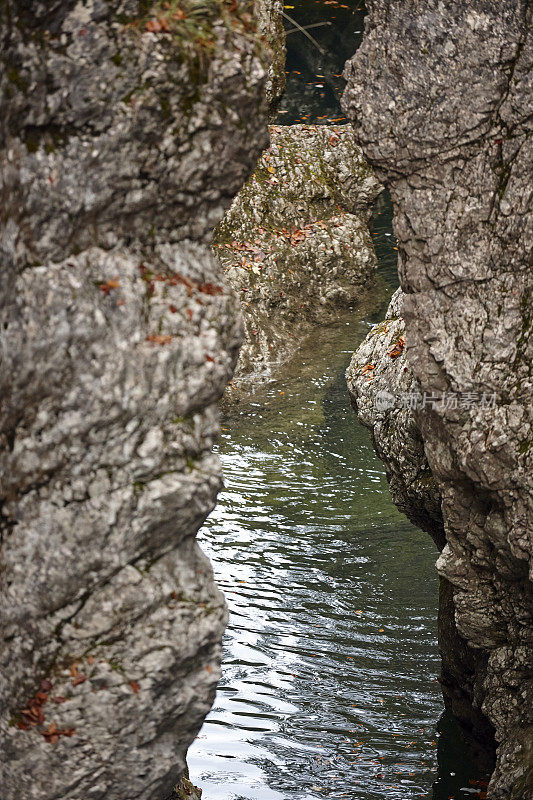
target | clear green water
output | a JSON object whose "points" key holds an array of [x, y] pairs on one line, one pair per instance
{"points": [[330, 658]]}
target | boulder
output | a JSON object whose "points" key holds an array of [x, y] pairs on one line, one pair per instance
{"points": [[295, 244]]}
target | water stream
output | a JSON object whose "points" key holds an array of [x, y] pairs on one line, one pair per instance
{"points": [[329, 684]]}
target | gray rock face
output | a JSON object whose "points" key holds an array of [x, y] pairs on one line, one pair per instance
{"points": [[295, 243], [268, 14], [447, 124], [384, 392], [123, 139]]}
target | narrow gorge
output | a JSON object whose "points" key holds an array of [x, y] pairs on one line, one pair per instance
{"points": [[191, 221]]}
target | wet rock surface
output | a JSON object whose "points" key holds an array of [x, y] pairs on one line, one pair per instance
{"points": [[439, 96], [295, 244], [123, 140]]}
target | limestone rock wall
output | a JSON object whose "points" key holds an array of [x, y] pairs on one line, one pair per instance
{"points": [[385, 395], [440, 95], [269, 18], [383, 391], [125, 132], [295, 243]]}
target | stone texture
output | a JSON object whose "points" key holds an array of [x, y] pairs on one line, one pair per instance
{"points": [[121, 145], [383, 391], [440, 95], [295, 243], [268, 14]]}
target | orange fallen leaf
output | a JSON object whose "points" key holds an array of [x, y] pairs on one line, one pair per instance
{"points": [[109, 285], [398, 348], [158, 338], [135, 686]]}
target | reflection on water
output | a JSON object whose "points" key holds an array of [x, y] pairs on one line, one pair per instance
{"points": [[329, 670], [329, 681], [314, 70]]}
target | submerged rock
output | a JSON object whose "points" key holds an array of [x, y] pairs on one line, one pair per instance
{"points": [[122, 141], [445, 124], [295, 243]]}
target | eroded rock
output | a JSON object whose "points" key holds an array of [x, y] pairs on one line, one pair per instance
{"points": [[268, 14], [384, 393], [295, 243], [447, 125], [123, 139]]}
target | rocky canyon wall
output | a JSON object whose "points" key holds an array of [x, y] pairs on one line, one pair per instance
{"points": [[126, 130], [440, 96], [295, 244]]}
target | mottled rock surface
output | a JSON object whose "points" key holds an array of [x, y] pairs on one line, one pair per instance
{"points": [[440, 94], [295, 243], [123, 139], [268, 14], [384, 391], [385, 395]]}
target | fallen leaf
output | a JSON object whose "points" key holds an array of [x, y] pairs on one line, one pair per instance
{"points": [[79, 679], [398, 348], [157, 25], [158, 338], [109, 285], [209, 288], [135, 686]]}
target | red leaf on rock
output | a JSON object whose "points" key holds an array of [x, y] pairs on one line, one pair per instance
{"points": [[210, 288], [398, 348], [158, 338], [78, 680], [157, 25], [109, 285], [135, 686]]}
